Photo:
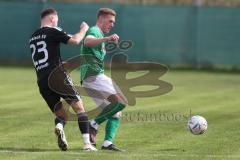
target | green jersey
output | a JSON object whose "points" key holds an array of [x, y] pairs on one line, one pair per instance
{"points": [[92, 57]]}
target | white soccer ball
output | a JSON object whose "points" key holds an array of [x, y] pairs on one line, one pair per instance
{"points": [[197, 125]]}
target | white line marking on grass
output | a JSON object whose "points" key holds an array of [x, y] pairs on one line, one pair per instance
{"points": [[121, 155]]}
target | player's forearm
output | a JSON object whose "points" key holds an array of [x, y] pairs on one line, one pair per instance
{"points": [[91, 42], [77, 38]]}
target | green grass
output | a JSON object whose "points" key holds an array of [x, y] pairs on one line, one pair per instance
{"points": [[26, 123]]}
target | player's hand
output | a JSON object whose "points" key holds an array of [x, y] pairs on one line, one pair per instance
{"points": [[84, 26], [113, 37]]}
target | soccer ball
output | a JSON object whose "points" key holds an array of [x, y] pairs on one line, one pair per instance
{"points": [[197, 125]]}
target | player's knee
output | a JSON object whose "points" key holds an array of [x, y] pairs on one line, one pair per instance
{"points": [[77, 106], [122, 99], [113, 98], [116, 98], [62, 115]]}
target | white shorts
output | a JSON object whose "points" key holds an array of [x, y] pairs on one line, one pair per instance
{"points": [[103, 85]]}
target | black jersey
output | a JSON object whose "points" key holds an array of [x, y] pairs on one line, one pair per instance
{"points": [[45, 49]]}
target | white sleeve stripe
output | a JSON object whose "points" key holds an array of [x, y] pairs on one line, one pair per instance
{"points": [[58, 28], [90, 36]]}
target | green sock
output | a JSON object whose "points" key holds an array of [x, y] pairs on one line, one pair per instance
{"points": [[109, 111], [111, 128]]}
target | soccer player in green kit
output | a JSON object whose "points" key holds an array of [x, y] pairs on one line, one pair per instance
{"points": [[93, 78]]}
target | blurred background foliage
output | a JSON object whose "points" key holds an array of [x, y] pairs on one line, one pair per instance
{"points": [[219, 3]]}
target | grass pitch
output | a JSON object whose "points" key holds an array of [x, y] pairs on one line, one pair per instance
{"points": [[26, 123]]}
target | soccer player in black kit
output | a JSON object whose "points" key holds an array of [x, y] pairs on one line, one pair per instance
{"points": [[45, 49]]}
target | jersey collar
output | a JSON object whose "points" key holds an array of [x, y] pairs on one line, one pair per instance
{"points": [[100, 30]]}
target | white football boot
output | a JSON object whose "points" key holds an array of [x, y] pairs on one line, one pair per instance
{"points": [[89, 147], [62, 142]]}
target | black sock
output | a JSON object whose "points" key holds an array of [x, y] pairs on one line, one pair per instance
{"points": [[83, 123], [60, 120]]}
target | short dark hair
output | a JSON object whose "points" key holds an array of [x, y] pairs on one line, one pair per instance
{"points": [[105, 11], [47, 12]]}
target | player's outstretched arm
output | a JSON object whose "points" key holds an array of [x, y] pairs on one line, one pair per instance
{"points": [[92, 41], [77, 38]]}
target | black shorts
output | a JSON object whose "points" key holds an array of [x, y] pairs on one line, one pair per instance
{"points": [[57, 87]]}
